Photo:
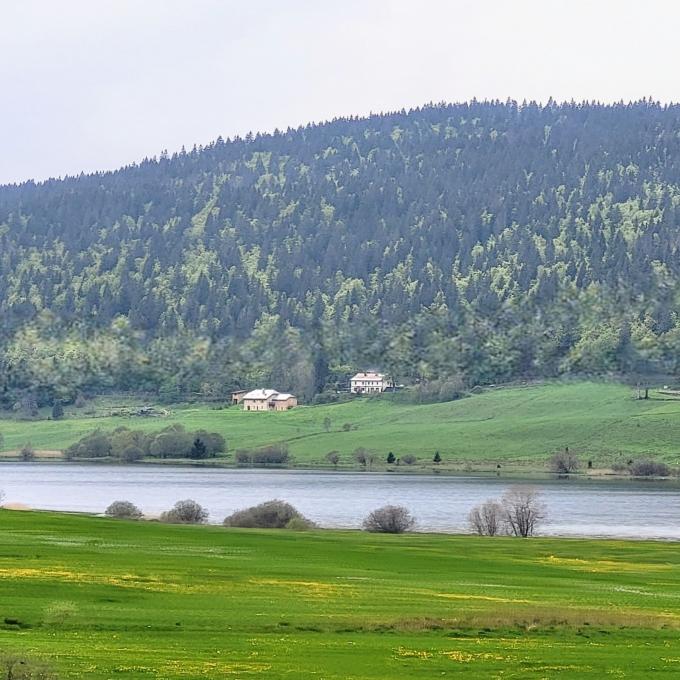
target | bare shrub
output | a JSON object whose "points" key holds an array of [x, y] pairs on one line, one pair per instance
{"points": [[649, 468], [563, 462], [333, 457], [523, 510], [273, 514], [27, 453], [59, 613], [390, 519], [123, 510], [364, 456], [185, 512], [409, 459], [487, 519]]}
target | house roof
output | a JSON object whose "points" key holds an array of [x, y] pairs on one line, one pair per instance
{"points": [[273, 395], [369, 375], [260, 394]]}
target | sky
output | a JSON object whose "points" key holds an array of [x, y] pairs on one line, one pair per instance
{"points": [[92, 85]]}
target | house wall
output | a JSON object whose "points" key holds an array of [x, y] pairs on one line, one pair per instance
{"points": [[367, 386], [255, 404], [285, 405]]}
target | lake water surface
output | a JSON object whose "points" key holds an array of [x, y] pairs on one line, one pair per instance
{"points": [[624, 508]]}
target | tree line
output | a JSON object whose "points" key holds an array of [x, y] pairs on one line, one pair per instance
{"points": [[451, 245], [128, 445]]}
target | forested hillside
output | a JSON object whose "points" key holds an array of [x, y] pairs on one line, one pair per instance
{"points": [[460, 244]]}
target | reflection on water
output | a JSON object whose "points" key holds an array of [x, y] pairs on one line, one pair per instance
{"points": [[338, 499]]}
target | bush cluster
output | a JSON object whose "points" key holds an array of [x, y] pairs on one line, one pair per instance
{"points": [[123, 510], [131, 445], [185, 512], [269, 515], [431, 391], [274, 454], [646, 467]]}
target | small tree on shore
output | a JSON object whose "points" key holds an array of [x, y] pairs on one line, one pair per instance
{"points": [[364, 457], [563, 462], [333, 457], [390, 519], [27, 454], [523, 510], [391, 458], [487, 519], [437, 458]]}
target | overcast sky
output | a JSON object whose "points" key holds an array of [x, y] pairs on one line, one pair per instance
{"points": [[89, 85]]}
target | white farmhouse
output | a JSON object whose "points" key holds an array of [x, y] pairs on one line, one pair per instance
{"points": [[369, 382]]}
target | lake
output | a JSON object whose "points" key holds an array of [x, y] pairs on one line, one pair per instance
{"points": [[576, 507]]}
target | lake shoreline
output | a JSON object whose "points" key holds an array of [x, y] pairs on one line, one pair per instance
{"points": [[154, 519], [517, 471]]}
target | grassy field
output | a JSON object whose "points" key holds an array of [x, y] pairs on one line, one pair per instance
{"points": [[511, 426], [105, 599]]}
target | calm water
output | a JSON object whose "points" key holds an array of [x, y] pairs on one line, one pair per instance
{"points": [[440, 503]]}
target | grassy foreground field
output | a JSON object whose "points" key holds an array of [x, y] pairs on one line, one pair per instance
{"points": [[102, 598], [520, 425]]}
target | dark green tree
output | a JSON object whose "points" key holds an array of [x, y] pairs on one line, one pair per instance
{"points": [[198, 450], [57, 410]]}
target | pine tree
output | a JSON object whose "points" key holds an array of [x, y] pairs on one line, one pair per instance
{"points": [[198, 450]]}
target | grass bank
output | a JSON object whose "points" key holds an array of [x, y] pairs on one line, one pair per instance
{"points": [[103, 598], [516, 427]]}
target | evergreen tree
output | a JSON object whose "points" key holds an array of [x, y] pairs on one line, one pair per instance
{"points": [[198, 450]]}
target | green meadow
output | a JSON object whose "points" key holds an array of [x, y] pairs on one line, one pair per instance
{"points": [[99, 598], [518, 426]]}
